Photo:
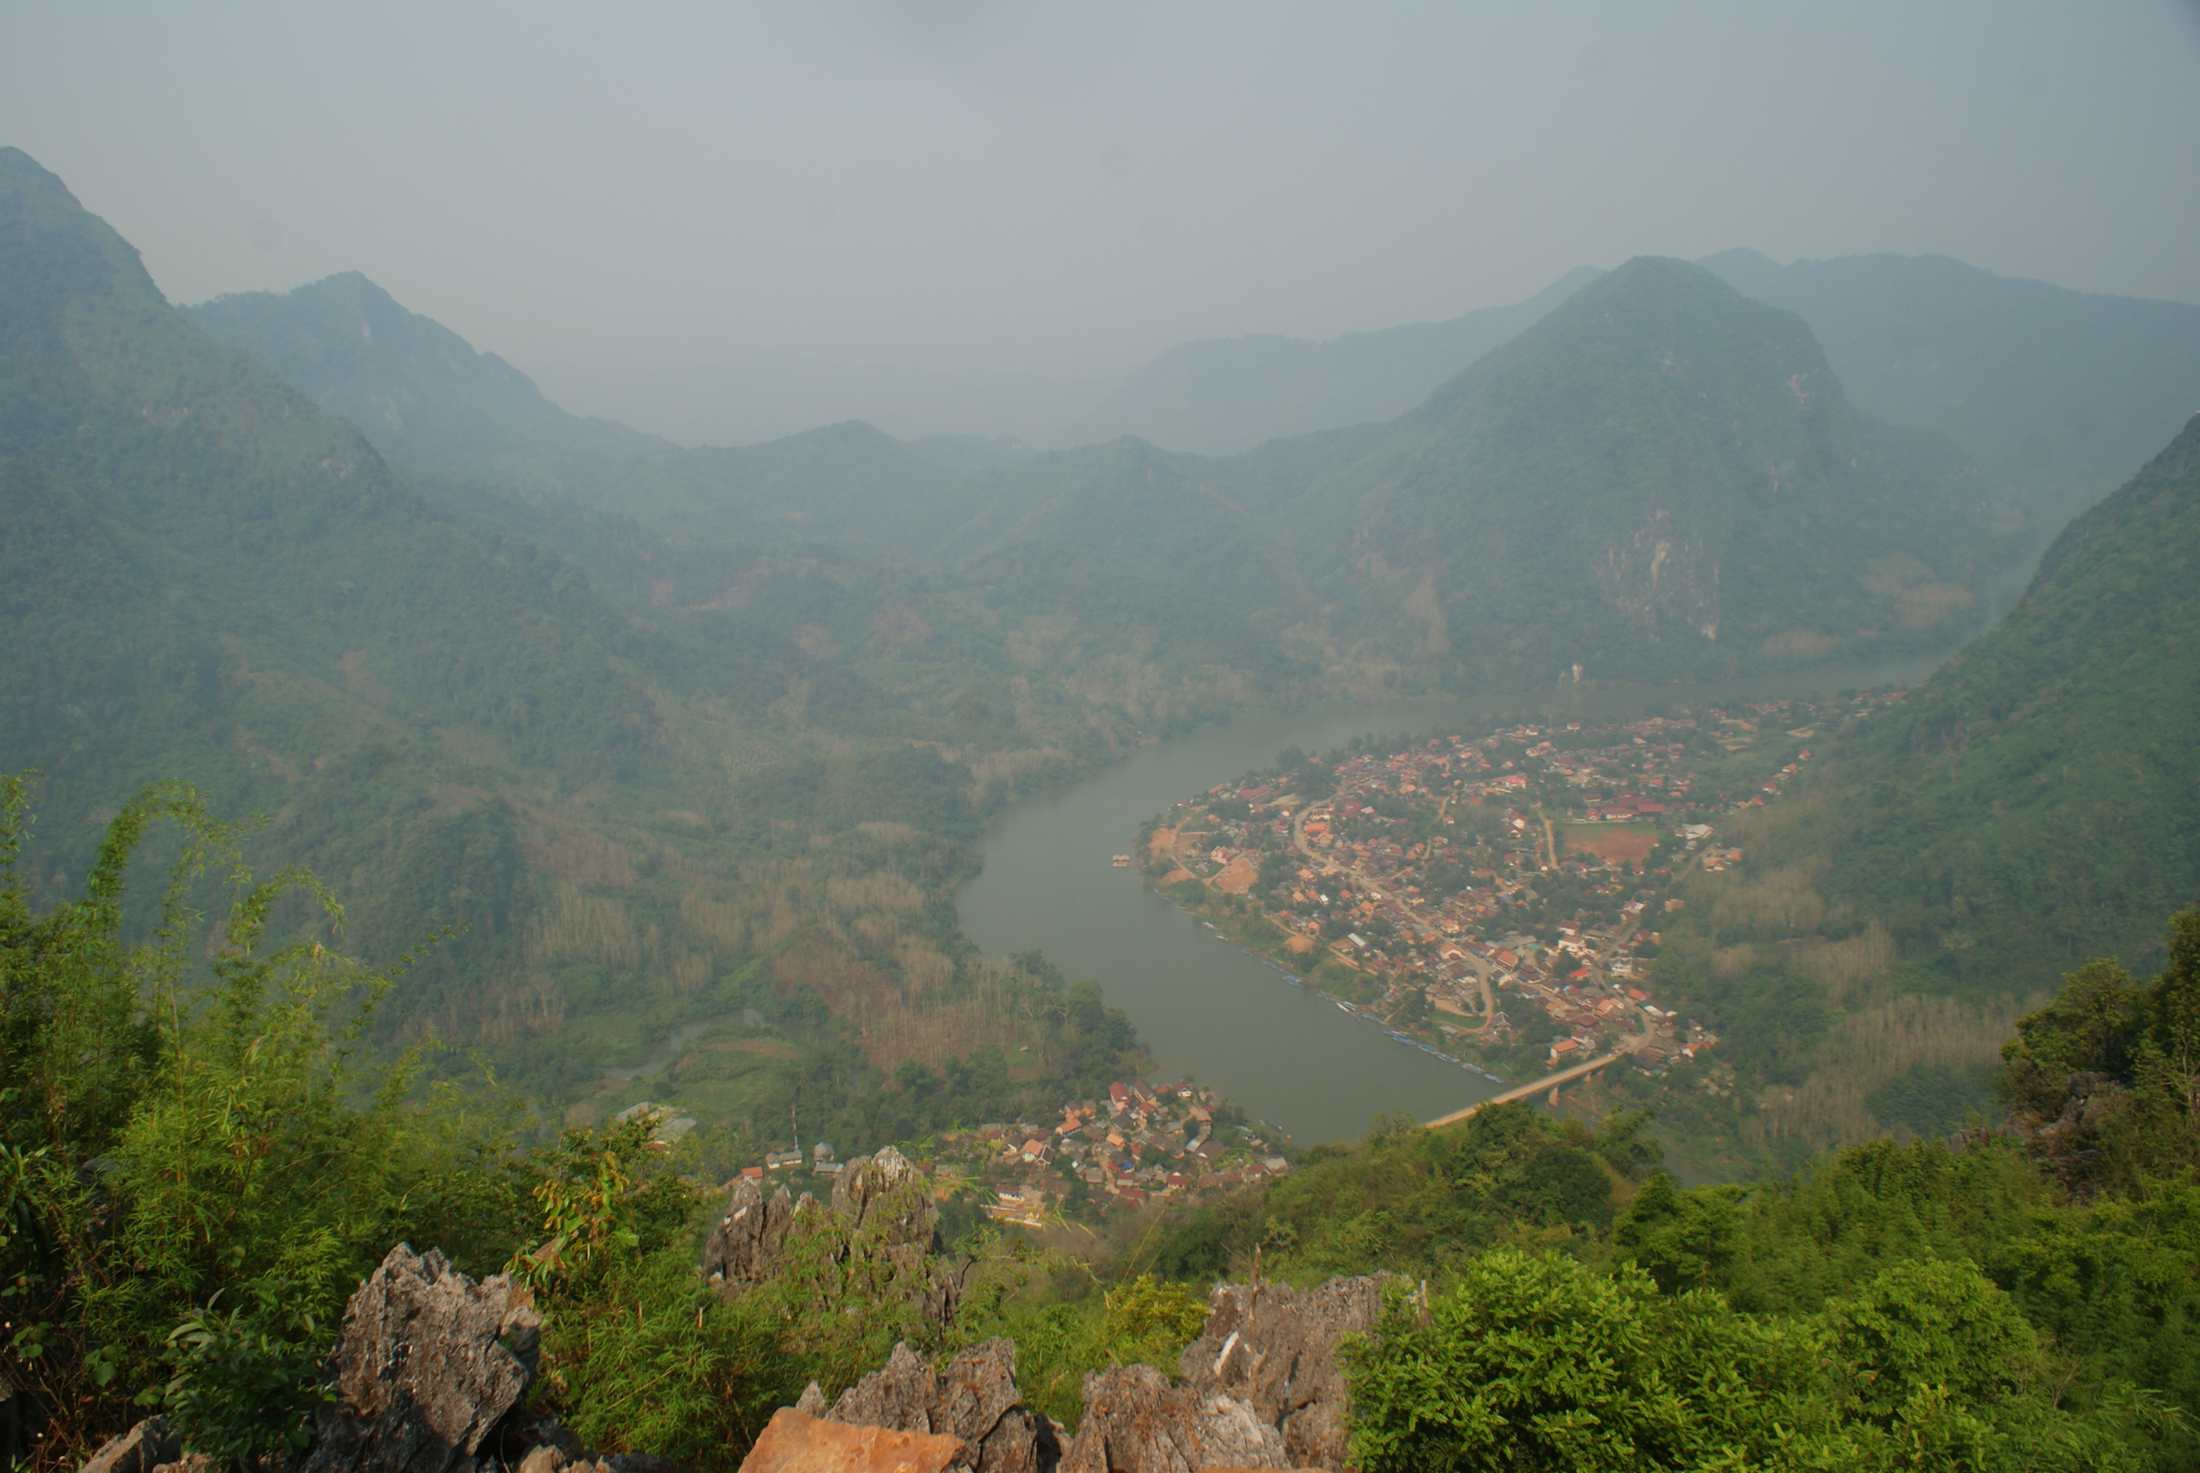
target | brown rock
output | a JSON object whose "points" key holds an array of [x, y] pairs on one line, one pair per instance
{"points": [[975, 1399], [742, 1247], [1275, 1348], [142, 1449], [429, 1362], [794, 1442], [1136, 1422]]}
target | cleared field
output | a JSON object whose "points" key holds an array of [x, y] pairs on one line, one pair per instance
{"points": [[1237, 876], [1614, 843]]}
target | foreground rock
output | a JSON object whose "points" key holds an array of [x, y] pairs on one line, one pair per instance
{"points": [[795, 1442], [429, 1363], [1136, 1422], [1263, 1387], [149, 1447], [1276, 1349], [974, 1400]]}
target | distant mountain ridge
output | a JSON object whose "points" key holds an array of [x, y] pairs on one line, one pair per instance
{"points": [[2059, 391], [431, 402], [1660, 477], [421, 393], [1220, 396], [1661, 470], [1656, 476]]}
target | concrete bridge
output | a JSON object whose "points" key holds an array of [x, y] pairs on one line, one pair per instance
{"points": [[1534, 1087]]}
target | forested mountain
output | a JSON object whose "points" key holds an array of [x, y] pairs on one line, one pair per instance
{"points": [[209, 578], [2033, 804], [417, 390], [434, 405], [2038, 800], [2059, 392], [710, 816], [1660, 477], [2062, 392], [1224, 395]]}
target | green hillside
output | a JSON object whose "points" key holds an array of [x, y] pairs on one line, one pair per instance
{"points": [[2031, 805], [694, 837], [1659, 475], [417, 390], [2038, 800], [1661, 478]]}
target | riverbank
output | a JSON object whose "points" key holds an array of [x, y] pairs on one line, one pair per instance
{"points": [[1215, 1012]]}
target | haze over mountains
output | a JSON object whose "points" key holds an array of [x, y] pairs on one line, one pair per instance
{"points": [[2060, 391], [1224, 395], [541, 674], [1330, 536]]}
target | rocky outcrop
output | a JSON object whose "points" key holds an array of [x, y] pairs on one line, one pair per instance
{"points": [[795, 1442], [1136, 1422], [975, 1399], [742, 1248], [882, 1212], [429, 1362], [149, 1447], [1276, 1349]]}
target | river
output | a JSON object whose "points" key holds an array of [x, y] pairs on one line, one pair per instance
{"points": [[1207, 1008]]}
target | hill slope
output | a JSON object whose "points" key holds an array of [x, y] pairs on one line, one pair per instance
{"points": [[2038, 800], [1660, 479], [1660, 474], [433, 404], [702, 843], [417, 390], [209, 578]]}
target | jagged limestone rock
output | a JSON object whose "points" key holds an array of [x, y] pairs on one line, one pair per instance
{"points": [[742, 1248], [1136, 1422], [429, 1362], [975, 1399], [145, 1447], [882, 1211], [1275, 1348]]}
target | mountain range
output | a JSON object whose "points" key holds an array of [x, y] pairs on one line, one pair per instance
{"points": [[2059, 392], [1223, 395], [486, 662]]}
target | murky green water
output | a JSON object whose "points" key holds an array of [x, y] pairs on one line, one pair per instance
{"points": [[1206, 1007]]}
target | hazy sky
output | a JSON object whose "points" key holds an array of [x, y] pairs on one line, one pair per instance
{"points": [[722, 221]]}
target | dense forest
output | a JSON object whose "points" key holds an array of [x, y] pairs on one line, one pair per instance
{"points": [[2034, 799]]}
